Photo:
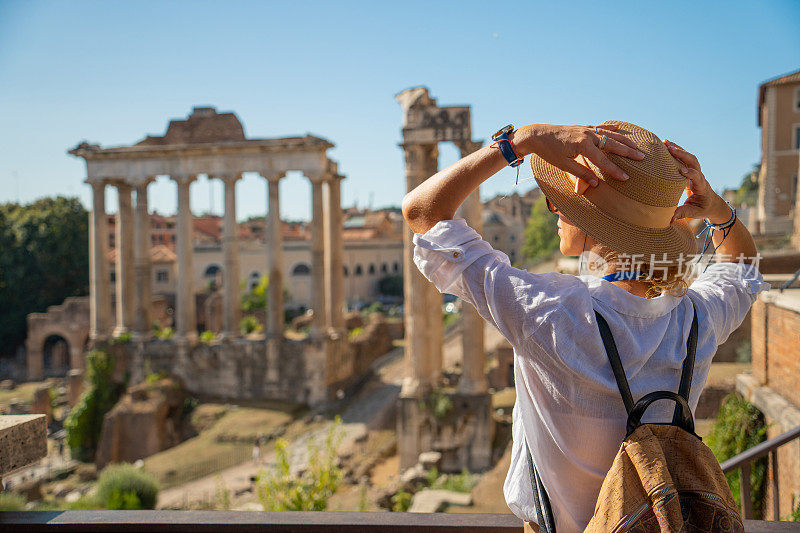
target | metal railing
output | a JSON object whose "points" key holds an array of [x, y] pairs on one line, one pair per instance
{"points": [[743, 463], [284, 522]]}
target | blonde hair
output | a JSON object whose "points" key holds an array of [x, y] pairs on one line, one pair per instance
{"points": [[663, 279]]}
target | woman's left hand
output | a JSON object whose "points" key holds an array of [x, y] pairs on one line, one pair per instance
{"points": [[561, 145]]}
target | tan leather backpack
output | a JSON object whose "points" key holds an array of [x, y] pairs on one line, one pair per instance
{"points": [[664, 478]]}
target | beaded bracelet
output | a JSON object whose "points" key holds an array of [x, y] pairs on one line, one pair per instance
{"points": [[709, 228]]}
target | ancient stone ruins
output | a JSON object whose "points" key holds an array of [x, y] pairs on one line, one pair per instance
{"points": [[214, 144], [312, 370], [464, 436]]}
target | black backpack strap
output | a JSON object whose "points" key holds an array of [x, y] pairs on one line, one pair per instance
{"points": [[616, 363], [540, 500], [688, 368]]}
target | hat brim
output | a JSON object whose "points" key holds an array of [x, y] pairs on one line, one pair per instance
{"points": [[670, 244]]}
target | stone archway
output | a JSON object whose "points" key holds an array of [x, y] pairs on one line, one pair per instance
{"points": [[68, 321], [55, 356]]}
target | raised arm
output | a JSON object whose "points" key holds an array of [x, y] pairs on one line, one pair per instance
{"points": [[703, 202], [438, 197]]}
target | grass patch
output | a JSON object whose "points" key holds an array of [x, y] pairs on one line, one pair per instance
{"points": [[223, 444], [23, 391]]}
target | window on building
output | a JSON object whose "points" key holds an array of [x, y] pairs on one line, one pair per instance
{"points": [[797, 99], [384, 268], [212, 271], [396, 267], [113, 275], [162, 276], [513, 237], [346, 271], [372, 269], [497, 238], [797, 137], [301, 269], [172, 238], [359, 270], [152, 239], [255, 278]]}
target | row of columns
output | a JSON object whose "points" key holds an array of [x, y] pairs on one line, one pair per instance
{"points": [[134, 271]]}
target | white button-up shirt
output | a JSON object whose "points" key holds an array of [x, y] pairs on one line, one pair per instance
{"points": [[568, 406]]}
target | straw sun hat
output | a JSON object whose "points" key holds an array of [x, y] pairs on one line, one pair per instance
{"points": [[632, 216]]}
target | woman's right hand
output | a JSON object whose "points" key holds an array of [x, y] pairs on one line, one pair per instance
{"points": [[701, 200]]}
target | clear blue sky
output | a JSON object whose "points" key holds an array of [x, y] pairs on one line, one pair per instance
{"points": [[111, 72]]}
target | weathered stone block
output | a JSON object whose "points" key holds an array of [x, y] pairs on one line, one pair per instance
{"points": [[23, 440]]}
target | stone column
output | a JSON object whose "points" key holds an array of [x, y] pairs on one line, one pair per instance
{"points": [[186, 315], [231, 304], [334, 248], [421, 333], [318, 256], [142, 301], [275, 316], [99, 283], [124, 264], [473, 366]]}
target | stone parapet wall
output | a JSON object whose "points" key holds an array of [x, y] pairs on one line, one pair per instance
{"points": [[775, 342]]}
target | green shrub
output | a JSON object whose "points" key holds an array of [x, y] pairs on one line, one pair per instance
{"points": [[11, 501], [355, 333], [85, 421], [84, 503], [401, 501], [250, 324], [374, 307], [122, 338], [165, 333], [207, 337], [740, 426], [463, 482], [122, 486], [278, 490], [154, 377]]}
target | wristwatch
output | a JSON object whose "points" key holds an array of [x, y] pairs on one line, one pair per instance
{"points": [[503, 141]]}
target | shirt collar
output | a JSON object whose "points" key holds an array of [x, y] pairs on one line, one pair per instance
{"points": [[626, 303]]}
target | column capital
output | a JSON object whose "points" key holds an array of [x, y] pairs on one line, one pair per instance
{"points": [[226, 177], [122, 185], [273, 176], [183, 179], [319, 177], [97, 183]]}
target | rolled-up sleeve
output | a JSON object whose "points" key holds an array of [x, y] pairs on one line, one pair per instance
{"points": [[458, 261], [728, 291]]}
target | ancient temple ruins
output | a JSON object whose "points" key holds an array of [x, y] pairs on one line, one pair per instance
{"points": [[214, 144], [465, 436]]}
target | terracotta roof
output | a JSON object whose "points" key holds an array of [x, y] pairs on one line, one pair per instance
{"points": [[158, 254], [792, 77]]}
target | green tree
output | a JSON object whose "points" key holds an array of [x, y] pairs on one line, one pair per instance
{"points": [[541, 233], [45, 258], [747, 193]]}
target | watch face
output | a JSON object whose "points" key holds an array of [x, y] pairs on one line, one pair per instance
{"points": [[507, 129]]}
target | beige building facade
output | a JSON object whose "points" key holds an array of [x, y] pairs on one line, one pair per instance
{"points": [[779, 119]]}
